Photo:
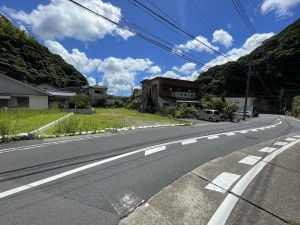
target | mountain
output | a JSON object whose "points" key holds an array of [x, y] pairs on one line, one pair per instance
{"points": [[275, 65], [24, 59]]}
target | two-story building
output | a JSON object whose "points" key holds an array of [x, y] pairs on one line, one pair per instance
{"points": [[96, 92], [161, 92]]}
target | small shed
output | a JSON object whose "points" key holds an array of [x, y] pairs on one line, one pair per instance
{"points": [[16, 94]]}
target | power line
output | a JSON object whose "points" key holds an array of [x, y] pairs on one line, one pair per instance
{"points": [[140, 35], [199, 12], [180, 28], [147, 32]]}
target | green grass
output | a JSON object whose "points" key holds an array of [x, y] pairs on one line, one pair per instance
{"points": [[24, 121], [108, 118]]}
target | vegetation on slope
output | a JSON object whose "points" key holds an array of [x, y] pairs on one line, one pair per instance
{"points": [[24, 59], [276, 65]]}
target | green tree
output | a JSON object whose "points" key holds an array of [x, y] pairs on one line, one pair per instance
{"points": [[80, 101], [296, 106]]}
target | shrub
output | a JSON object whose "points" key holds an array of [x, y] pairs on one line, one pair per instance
{"points": [[67, 126], [4, 128]]}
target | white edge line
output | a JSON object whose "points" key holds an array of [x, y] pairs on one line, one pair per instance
{"points": [[58, 176], [221, 215]]}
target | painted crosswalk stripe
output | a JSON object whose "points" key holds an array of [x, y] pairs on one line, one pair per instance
{"points": [[189, 142], [154, 150], [222, 182], [297, 136], [250, 160], [267, 149], [290, 139], [281, 143]]}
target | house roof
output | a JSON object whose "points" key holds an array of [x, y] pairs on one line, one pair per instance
{"points": [[62, 93], [27, 85]]}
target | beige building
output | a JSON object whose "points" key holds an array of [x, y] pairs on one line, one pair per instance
{"points": [[16, 94]]}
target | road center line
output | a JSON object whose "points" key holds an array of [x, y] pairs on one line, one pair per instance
{"points": [[191, 141], [79, 169], [223, 212], [154, 150]]}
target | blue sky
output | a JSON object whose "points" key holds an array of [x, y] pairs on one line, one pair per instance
{"points": [[120, 60]]}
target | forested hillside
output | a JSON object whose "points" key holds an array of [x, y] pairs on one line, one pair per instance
{"points": [[275, 65], [23, 58]]}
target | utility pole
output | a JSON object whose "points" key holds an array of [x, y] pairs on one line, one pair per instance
{"points": [[247, 92], [280, 96]]}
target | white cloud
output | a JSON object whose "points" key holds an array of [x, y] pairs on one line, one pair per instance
{"points": [[78, 59], [62, 19], [229, 25], [250, 44], [222, 37], [281, 7], [186, 68], [119, 74], [195, 45], [91, 80], [154, 70]]}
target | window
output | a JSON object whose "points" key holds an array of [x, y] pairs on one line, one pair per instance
{"points": [[98, 92], [23, 102]]}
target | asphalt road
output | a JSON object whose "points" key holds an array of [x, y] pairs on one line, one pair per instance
{"points": [[99, 179]]}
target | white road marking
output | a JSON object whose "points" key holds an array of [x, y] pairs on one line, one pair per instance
{"points": [[67, 173], [212, 137], [222, 182], [191, 141], [254, 130], [281, 143], [267, 149], [221, 215], [250, 160], [297, 136], [290, 139], [244, 131], [64, 174], [230, 134], [154, 150]]}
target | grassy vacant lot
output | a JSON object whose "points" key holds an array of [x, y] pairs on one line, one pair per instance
{"points": [[19, 121], [108, 118]]}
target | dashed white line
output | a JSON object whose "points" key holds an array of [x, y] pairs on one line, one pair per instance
{"points": [[221, 215], [154, 150], [212, 137], [187, 142], [222, 182], [290, 139], [230, 134], [250, 160]]}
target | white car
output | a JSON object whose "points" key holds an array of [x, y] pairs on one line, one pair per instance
{"points": [[241, 114], [208, 114]]}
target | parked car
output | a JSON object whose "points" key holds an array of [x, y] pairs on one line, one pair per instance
{"points": [[241, 114], [208, 114]]}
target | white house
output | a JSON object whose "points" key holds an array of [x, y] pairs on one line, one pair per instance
{"points": [[16, 94]]}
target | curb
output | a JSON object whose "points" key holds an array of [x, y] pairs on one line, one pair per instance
{"points": [[33, 134]]}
